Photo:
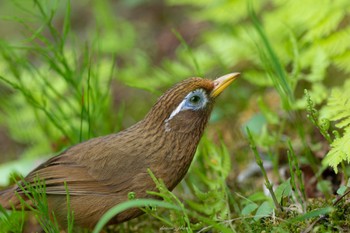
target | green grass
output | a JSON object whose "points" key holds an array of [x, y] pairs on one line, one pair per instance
{"points": [[61, 83]]}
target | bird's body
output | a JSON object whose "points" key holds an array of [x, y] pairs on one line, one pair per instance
{"points": [[100, 172]]}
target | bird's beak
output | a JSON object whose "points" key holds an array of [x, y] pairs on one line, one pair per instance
{"points": [[221, 83]]}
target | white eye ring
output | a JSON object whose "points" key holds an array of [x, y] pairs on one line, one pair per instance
{"points": [[188, 103], [194, 101]]}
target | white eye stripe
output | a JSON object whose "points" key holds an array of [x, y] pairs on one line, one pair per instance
{"points": [[182, 106], [177, 110]]}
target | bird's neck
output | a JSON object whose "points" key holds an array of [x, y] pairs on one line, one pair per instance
{"points": [[169, 153], [172, 152]]}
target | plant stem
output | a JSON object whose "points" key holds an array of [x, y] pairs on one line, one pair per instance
{"points": [[260, 163]]}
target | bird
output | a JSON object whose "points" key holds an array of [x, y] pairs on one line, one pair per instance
{"points": [[100, 173]]}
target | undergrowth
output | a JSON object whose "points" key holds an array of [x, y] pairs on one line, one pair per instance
{"points": [[275, 156]]}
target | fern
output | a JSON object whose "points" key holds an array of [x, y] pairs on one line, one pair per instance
{"points": [[61, 91], [342, 61], [311, 41], [337, 110], [208, 184]]}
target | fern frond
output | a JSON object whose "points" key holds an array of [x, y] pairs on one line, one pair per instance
{"points": [[326, 25], [337, 43], [338, 107], [338, 111], [342, 61], [339, 152]]}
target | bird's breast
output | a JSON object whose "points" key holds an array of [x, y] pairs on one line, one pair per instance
{"points": [[171, 162]]}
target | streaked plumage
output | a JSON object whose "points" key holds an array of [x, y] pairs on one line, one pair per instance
{"points": [[102, 171]]}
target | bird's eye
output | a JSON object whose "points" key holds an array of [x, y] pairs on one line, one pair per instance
{"points": [[195, 99]]}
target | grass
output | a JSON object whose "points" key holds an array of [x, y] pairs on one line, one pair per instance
{"points": [[66, 85]]}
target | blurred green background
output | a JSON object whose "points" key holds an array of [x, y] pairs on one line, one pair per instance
{"points": [[74, 70], [96, 67]]}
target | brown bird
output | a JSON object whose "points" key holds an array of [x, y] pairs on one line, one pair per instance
{"points": [[102, 171]]}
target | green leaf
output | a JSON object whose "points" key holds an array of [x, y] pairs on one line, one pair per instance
{"points": [[337, 110], [127, 205], [258, 196], [283, 190], [264, 210], [248, 209], [341, 190], [339, 152], [311, 214]]}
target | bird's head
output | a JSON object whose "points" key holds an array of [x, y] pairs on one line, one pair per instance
{"points": [[187, 105]]}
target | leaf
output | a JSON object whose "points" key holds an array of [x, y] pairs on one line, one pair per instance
{"points": [[318, 67], [329, 22], [264, 210], [311, 214], [337, 110], [130, 204], [341, 190], [342, 61], [248, 209], [258, 196], [283, 190], [339, 152]]}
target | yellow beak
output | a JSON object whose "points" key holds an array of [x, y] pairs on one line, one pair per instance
{"points": [[221, 83]]}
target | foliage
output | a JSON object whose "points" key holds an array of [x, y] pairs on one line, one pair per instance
{"points": [[211, 195], [61, 84], [12, 221], [337, 110], [65, 93], [35, 194]]}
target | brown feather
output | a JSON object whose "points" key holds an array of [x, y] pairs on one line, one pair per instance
{"points": [[102, 171]]}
